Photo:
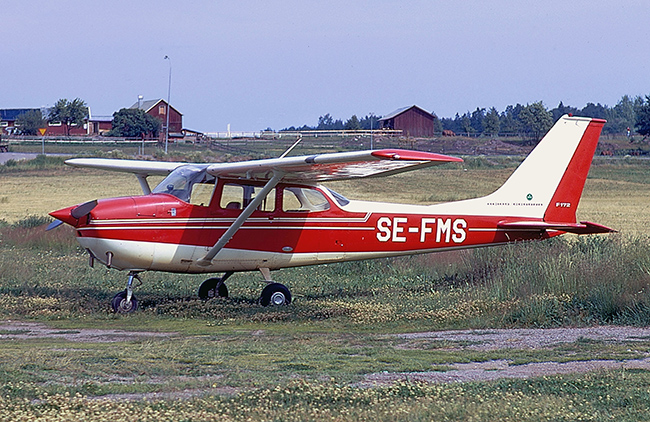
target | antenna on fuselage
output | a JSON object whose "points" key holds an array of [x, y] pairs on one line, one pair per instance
{"points": [[284, 154]]}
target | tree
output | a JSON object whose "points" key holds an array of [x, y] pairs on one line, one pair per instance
{"points": [[509, 120], [69, 113], [491, 122], [561, 110], [596, 111], [622, 116], [642, 124], [476, 119], [352, 123], [370, 122], [324, 122], [134, 123], [30, 122], [466, 124], [536, 120]]}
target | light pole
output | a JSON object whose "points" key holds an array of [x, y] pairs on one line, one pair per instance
{"points": [[372, 146], [169, 91], [140, 97]]}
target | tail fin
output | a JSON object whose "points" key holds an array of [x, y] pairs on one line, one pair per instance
{"points": [[549, 183]]}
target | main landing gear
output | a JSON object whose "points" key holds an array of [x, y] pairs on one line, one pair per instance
{"points": [[214, 287], [274, 294]]}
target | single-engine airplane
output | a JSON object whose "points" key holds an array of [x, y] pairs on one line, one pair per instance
{"points": [[273, 213]]}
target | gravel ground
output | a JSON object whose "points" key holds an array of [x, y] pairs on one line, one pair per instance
{"points": [[16, 330], [527, 338], [483, 340], [497, 369], [522, 339]]}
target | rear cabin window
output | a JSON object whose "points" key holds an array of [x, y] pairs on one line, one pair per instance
{"points": [[298, 199], [236, 197]]}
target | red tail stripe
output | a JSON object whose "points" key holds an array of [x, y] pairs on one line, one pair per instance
{"points": [[564, 203]]}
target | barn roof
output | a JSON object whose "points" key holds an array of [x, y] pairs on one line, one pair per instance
{"points": [[147, 105], [11, 114], [402, 110]]}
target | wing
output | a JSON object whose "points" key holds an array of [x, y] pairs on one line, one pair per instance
{"points": [[332, 166], [307, 168], [139, 167]]}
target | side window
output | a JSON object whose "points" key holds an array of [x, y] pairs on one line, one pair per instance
{"points": [[201, 194], [236, 196], [297, 199], [232, 197]]}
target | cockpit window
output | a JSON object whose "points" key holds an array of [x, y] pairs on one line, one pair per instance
{"points": [[296, 199], [188, 183], [342, 200], [235, 196]]}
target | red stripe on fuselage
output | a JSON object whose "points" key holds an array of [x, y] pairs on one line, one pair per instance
{"points": [[376, 232]]}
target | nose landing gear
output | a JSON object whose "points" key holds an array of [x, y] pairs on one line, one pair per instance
{"points": [[124, 302]]}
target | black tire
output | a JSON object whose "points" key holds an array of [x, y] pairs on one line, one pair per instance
{"points": [[211, 288], [120, 305], [275, 294]]}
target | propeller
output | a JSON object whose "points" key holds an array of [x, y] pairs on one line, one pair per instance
{"points": [[53, 225], [71, 215], [83, 209]]}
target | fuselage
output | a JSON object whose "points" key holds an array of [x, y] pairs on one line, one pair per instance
{"points": [[297, 224]]}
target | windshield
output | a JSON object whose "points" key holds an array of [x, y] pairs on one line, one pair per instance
{"points": [[342, 200], [180, 181]]}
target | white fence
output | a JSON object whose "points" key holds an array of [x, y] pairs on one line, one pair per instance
{"points": [[303, 133]]}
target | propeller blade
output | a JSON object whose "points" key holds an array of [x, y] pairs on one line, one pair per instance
{"points": [[53, 225], [83, 209]]}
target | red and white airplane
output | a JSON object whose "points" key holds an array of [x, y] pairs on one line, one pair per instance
{"points": [[273, 213]]}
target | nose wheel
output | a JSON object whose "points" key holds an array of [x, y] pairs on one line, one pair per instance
{"points": [[121, 305], [124, 302]]}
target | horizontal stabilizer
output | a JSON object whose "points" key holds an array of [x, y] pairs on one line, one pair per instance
{"points": [[584, 227]]}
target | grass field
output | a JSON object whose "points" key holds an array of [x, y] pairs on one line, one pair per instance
{"points": [[234, 360]]}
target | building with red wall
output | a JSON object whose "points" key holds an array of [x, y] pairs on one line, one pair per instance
{"points": [[412, 121], [158, 109], [95, 125]]}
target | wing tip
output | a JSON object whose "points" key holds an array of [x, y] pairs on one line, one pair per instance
{"points": [[411, 155]]}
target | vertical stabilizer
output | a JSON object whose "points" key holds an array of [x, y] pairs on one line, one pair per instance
{"points": [[564, 203], [549, 182]]}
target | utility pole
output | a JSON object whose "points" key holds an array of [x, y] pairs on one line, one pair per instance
{"points": [[169, 90]]}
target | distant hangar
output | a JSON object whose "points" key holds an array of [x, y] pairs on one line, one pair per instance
{"points": [[412, 121]]}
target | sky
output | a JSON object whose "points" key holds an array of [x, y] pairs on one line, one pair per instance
{"points": [[259, 64]]}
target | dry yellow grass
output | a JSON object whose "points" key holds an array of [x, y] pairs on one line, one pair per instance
{"points": [[39, 192]]}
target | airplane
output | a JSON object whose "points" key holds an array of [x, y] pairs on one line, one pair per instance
{"points": [[264, 215]]}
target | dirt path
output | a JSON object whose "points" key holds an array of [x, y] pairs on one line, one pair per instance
{"points": [[500, 339], [483, 340], [524, 338], [19, 330]]}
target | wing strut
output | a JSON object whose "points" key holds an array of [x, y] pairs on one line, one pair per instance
{"points": [[236, 225], [142, 178]]}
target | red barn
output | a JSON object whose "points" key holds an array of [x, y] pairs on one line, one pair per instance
{"points": [[412, 121], [158, 109]]}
